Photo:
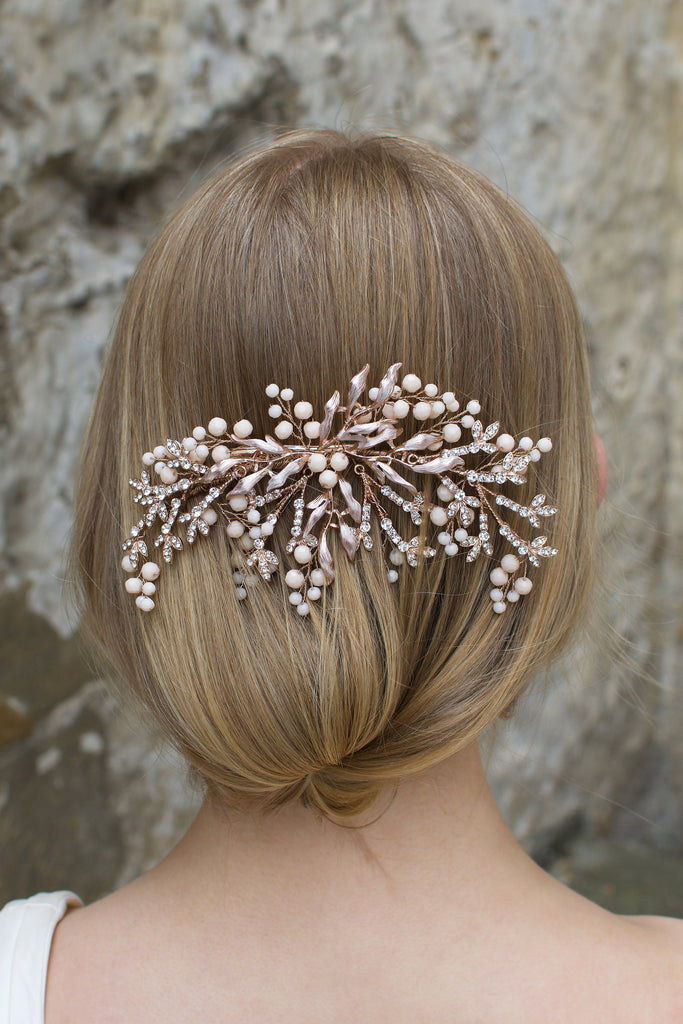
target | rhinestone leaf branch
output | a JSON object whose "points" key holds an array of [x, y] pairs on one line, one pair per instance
{"points": [[399, 431]]}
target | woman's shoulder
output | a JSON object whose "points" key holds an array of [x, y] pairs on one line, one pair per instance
{"points": [[656, 948], [26, 930]]}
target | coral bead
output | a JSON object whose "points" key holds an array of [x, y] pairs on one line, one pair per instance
{"points": [[302, 554], [499, 607], [275, 411], [160, 452], [127, 564], [295, 597], [473, 408], [401, 409], [234, 529], [534, 455], [318, 578], [437, 409], [148, 588], [496, 595], [510, 563], [505, 442], [217, 426], [467, 421], [422, 410], [286, 394], [523, 585], [134, 585], [544, 444], [512, 596], [312, 429], [302, 608], [272, 391], [148, 459], [210, 516], [150, 571], [498, 577], [411, 383], [328, 478], [438, 516], [242, 428], [452, 433], [339, 461], [451, 549], [220, 452], [238, 503], [144, 603], [284, 430], [443, 492], [431, 390], [253, 516], [313, 593], [444, 537], [199, 433], [303, 410], [294, 579], [317, 462], [526, 444], [189, 444]]}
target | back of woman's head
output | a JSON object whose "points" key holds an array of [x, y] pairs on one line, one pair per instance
{"points": [[299, 264]]}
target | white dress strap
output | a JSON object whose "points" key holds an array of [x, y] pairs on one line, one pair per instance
{"points": [[26, 929]]}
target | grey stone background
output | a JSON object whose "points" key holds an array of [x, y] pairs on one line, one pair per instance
{"points": [[110, 114]]}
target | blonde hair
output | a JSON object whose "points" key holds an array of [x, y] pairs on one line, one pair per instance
{"points": [[298, 263]]}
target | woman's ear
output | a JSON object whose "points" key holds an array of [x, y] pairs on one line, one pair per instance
{"points": [[601, 457]]}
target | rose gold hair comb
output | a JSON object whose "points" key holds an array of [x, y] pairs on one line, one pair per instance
{"points": [[306, 462]]}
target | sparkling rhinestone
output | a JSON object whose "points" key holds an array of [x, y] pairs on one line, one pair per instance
{"points": [[403, 545], [364, 527], [367, 541], [523, 549], [386, 524]]}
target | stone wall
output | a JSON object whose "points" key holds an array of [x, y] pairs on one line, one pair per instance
{"points": [[112, 112]]}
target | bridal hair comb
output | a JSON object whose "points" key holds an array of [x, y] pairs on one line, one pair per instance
{"points": [[401, 429]]}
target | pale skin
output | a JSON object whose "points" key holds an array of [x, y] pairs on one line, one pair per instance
{"points": [[431, 914]]}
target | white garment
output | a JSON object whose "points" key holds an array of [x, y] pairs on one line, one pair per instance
{"points": [[26, 929]]}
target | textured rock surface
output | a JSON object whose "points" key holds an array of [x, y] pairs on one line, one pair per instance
{"points": [[110, 113]]}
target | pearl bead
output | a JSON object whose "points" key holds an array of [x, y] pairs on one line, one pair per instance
{"points": [[318, 578], [411, 383], [295, 597], [317, 462], [210, 516], [127, 564], [217, 426], [448, 397], [302, 608], [148, 588], [202, 452], [255, 532], [144, 603], [234, 529], [444, 492], [238, 503], [396, 557], [444, 537], [499, 607], [393, 575], [241, 593], [272, 391], [275, 411], [168, 475], [438, 515], [473, 407], [437, 409], [287, 394], [189, 444], [302, 554], [150, 571], [313, 593], [267, 529], [544, 444], [328, 478], [253, 516], [134, 585], [512, 596], [148, 459], [451, 549], [460, 535], [422, 410], [467, 421], [451, 432], [523, 585], [294, 579], [312, 429], [339, 461], [496, 595], [401, 409], [510, 563], [303, 410], [431, 390], [498, 577], [199, 433], [453, 406], [237, 577], [158, 466], [373, 393], [388, 411], [246, 542], [534, 455], [283, 429], [160, 452], [505, 442], [242, 428], [526, 444], [220, 452]]}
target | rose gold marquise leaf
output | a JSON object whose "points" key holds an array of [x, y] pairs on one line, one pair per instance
{"points": [[352, 504], [279, 478], [325, 559], [357, 387], [331, 406], [396, 478], [244, 485], [316, 515], [387, 433], [220, 469], [387, 384], [419, 442], [269, 445], [350, 539], [440, 465]]}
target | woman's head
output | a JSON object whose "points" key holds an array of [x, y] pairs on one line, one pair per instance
{"points": [[299, 263]]}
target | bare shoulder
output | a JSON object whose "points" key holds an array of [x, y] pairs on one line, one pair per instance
{"points": [[660, 941]]}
